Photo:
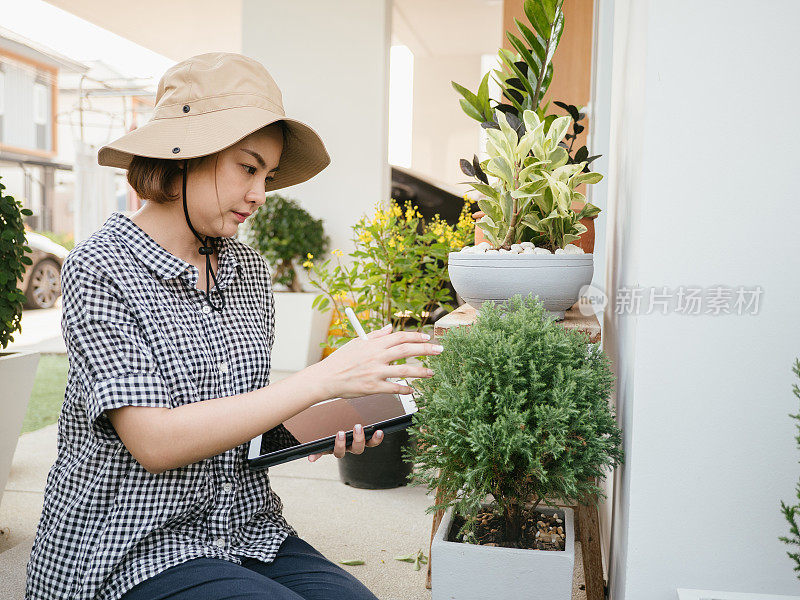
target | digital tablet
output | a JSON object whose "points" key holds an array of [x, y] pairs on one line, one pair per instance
{"points": [[314, 430]]}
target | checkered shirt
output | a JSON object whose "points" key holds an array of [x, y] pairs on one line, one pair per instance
{"points": [[138, 332]]}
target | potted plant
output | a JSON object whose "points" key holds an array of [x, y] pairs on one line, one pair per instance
{"points": [[396, 274], [284, 233], [17, 369], [532, 201], [792, 511], [515, 416]]}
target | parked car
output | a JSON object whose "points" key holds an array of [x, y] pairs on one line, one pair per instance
{"points": [[41, 282]]}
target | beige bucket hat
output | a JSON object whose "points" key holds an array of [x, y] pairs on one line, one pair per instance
{"points": [[209, 102]]}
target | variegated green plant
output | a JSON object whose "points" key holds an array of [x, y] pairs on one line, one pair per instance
{"points": [[534, 184]]}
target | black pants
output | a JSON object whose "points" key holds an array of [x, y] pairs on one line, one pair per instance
{"points": [[298, 572]]}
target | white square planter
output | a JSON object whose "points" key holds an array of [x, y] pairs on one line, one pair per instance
{"points": [[467, 571], [17, 372], [299, 331]]}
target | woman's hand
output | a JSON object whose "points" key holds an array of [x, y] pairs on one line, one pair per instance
{"points": [[357, 447], [362, 367]]}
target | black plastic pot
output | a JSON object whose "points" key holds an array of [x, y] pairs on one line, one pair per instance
{"points": [[380, 467]]}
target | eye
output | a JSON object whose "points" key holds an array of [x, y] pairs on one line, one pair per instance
{"points": [[254, 169]]}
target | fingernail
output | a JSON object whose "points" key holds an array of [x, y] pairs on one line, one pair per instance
{"points": [[387, 326], [379, 434], [358, 428], [425, 336], [437, 348], [340, 435]]}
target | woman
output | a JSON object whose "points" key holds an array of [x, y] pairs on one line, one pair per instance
{"points": [[150, 496]]}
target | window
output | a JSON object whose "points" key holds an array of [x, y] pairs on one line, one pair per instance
{"points": [[40, 106]]}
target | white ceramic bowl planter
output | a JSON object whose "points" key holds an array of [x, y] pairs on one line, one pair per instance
{"points": [[480, 273]]}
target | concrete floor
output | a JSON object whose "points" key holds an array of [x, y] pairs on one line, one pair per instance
{"points": [[342, 522]]}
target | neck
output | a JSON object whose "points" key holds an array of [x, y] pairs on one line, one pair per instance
{"points": [[166, 224]]}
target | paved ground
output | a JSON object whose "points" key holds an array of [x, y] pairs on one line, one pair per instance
{"points": [[341, 521]]}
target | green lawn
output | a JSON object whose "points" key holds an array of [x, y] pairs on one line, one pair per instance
{"points": [[48, 392]]}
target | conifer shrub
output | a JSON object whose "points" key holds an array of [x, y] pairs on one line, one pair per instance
{"points": [[518, 407]]}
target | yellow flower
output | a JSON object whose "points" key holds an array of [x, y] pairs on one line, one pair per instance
{"points": [[309, 256], [391, 242], [338, 252], [397, 211], [308, 264]]}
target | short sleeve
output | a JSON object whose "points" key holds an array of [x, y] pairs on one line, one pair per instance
{"points": [[108, 348]]}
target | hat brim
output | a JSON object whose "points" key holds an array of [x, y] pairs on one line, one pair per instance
{"points": [[304, 154]]}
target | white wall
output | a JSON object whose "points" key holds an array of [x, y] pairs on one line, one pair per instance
{"points": [[331, 62], [702, 193], [442, 133], [599, 142]]}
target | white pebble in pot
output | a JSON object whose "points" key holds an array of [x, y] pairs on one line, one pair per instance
{"points": [[527, 244], [516, 248], [541, 251]]}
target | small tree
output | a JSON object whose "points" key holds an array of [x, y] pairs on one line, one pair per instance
{"points": [[517, 408], [12, 265], [284, 233], [792, 512]]}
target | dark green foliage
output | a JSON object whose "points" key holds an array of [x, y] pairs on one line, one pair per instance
{"points": [[283, 232], [526, 74], [793, 512], [12, 265], [518, 407]]}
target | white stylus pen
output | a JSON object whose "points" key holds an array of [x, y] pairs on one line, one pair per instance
{"points": [[355, 323]]}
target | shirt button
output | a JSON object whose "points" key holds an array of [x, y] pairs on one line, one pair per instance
{"points": [[206, 309], [227, 487], [223, 367], [219, 542]]}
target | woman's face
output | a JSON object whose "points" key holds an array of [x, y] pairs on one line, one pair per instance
{"points": [[241, 174]]}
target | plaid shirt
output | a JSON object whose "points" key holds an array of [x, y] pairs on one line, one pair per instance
{"points": [[139, 333]]}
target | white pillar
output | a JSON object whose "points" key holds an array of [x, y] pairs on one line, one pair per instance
{"points": [[703, 193], [331, 62]]}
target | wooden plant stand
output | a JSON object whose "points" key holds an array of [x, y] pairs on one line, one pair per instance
{"points": [[587, 523]]}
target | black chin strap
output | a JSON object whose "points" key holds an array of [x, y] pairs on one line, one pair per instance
{"points": [[206, 249]]}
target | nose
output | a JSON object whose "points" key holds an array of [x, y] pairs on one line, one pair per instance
{"points": [[257, 194]]}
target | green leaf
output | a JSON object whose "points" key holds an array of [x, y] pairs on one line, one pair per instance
{"points": [[589, 178], [483, 96], [469, 96], [558, 129], [486, 190], [588, 210], [470, 110], [352, 562]]}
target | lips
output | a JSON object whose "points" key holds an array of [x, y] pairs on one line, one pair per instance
{"points": [[241, 216]]}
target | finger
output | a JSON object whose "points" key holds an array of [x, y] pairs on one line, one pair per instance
{"points": [[401, 337], [313, 457], [357, 447], [407, 371], [385, 330], [410, 349], [339, 447], [376, 439]]}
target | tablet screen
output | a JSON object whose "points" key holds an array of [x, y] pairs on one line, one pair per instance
{"points": [[325, 419]]}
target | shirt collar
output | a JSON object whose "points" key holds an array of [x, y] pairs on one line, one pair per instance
{"points": [[160, 261]]}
